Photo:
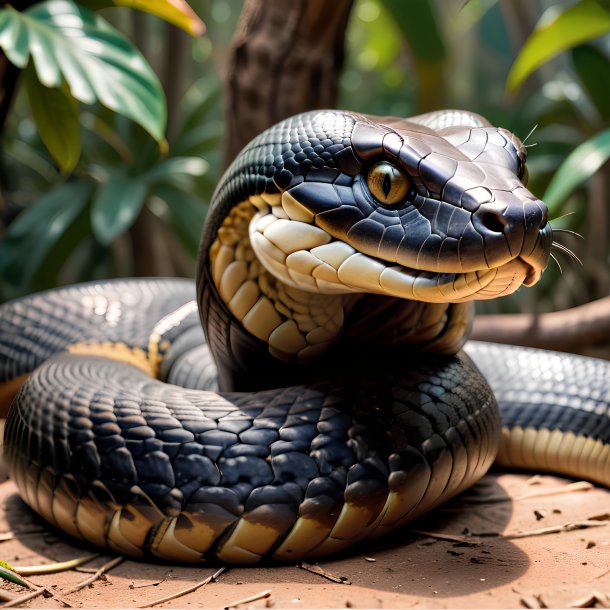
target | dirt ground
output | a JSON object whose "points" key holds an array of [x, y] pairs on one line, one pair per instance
{"points": [[486, 549]]}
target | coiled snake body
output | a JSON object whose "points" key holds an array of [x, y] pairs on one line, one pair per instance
{"points": [[330, 400]]}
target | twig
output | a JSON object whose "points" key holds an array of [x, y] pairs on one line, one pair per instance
{"points": [[248, 600], [591, 600], [540, 493], [562, 330], [556, 529], [196, 586], [447, 537], [555, 491], [316, 569], [105, 568], [52, 568], [35, 591], [5, 596], [166, 576], [24, 598], [532, 601]]}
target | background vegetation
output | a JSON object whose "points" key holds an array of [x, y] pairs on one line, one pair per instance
{"points": [[131, 199]]}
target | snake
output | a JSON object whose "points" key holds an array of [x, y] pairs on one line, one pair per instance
{"points": [[315, 385]]}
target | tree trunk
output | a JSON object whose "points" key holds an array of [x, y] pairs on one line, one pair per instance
{"points": [[174, 74], [285, 58], [8, 83]]}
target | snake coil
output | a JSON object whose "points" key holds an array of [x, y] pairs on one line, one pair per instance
{"points": [[331, 399]]}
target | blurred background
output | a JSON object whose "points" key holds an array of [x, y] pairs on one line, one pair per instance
{"points": [[131, 198]]}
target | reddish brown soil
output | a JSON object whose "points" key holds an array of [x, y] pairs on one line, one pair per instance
{"points": [[405, 570]]}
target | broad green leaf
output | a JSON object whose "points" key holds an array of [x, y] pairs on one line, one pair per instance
{"points": [[419, 25], [116, 205], [177, 12], [71, 43], [187, 214], [576, 24], [33, 234], [56, 114], [578, 167], [200, 105], [593, 69], [200, 140], [178, 171], [32, 160]]}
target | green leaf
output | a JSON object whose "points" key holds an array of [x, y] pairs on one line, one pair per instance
{"points": [[187, 214], [201, 140], [178, 171], [576, 24], [116, 206], [590, 65], [420, 27], [68, 42], [31, 236], [577, 168], [55, 112], [177, 12], [7, 573]]}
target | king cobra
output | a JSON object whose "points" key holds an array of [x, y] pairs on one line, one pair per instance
{"points": [[331, 399]]}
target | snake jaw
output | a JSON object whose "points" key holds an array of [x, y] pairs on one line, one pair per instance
{"points": [[296, 250], [303, 256]]}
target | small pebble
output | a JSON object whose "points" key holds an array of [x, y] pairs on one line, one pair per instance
{"points": [[539, 515]]}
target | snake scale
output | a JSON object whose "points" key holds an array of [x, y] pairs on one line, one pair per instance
{"points": [[331, 399]]}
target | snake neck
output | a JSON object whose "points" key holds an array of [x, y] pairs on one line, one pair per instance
{"points": [[285, 328]]}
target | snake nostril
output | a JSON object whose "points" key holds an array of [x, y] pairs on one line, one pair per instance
{"points": [[493, 222]]}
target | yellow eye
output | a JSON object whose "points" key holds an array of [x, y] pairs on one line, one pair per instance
{"points": [[387, 183]]}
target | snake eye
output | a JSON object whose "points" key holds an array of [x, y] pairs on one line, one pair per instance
{"points": [[387, 183]]}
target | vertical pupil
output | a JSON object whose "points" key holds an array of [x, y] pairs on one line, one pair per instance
{"points": [[386, 184]]}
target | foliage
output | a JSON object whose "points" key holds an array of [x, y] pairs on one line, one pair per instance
{"points": [[522, 64], [564, 30], [577, 168], [77, 55], [177, 12], [122, 170], [71, 225]]}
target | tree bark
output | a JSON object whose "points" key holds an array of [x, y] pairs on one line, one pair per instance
{"points": [[9, 75], [285, 58], [568, 330], [175, 72]]}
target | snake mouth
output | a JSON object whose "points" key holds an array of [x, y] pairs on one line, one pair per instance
{"points": [[307, 257]]}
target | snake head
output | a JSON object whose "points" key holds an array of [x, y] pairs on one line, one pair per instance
{"points": [[430, 209]]}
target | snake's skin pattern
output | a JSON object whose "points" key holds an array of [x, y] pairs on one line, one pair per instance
{"points": [[329, 400]]}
